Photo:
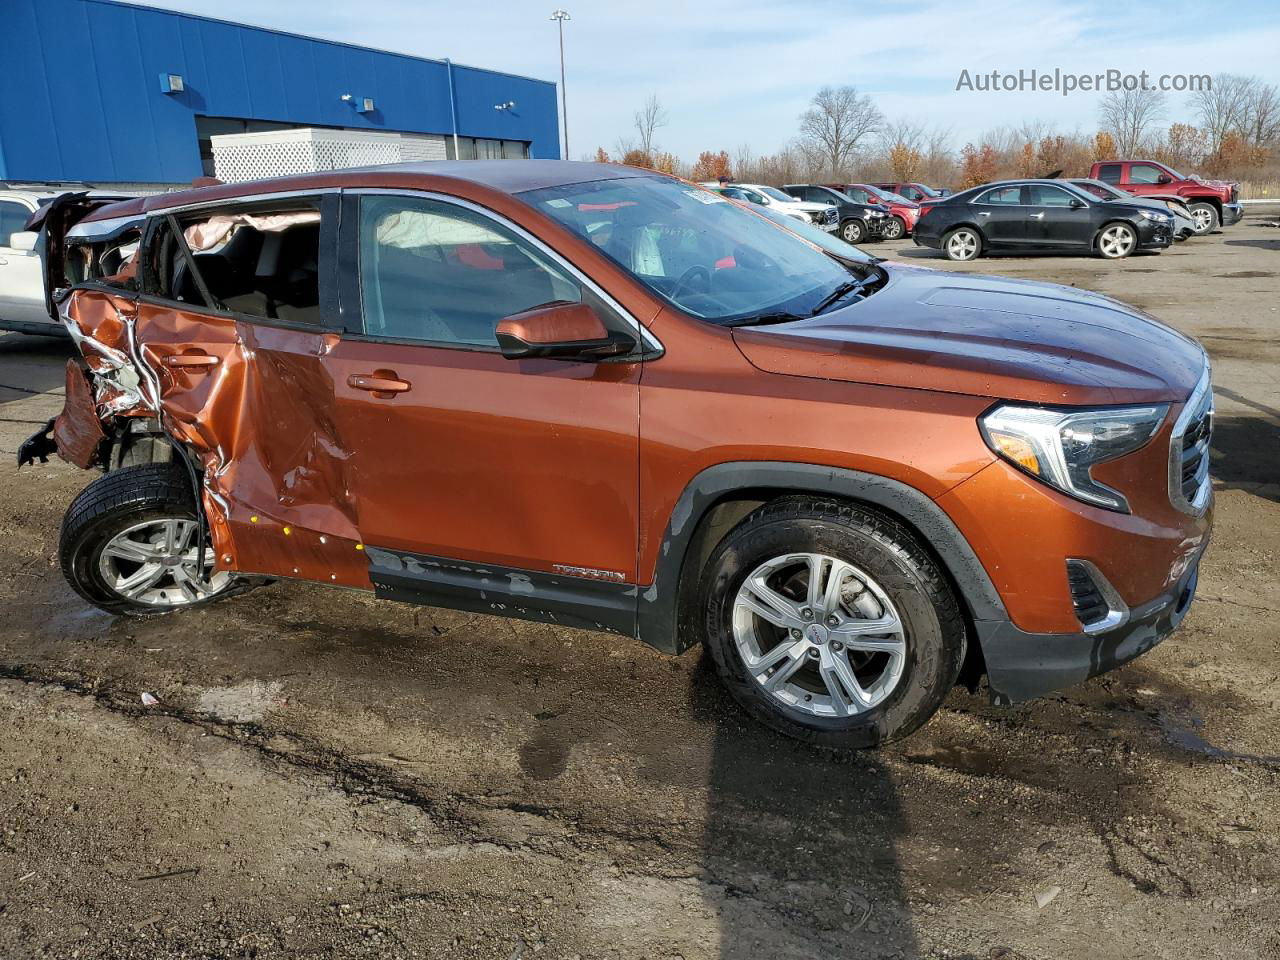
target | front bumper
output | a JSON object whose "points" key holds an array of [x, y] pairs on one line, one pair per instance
{"points": [[1231, 213], [1155, 236], [1023, 665], [875, 227]]}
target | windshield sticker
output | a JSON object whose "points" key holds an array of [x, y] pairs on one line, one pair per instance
{"points": [[705, 196], [559, 202]]}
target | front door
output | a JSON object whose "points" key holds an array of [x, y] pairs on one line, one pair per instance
{"points": [[1052, 221], [21, 276], [473, 471]]}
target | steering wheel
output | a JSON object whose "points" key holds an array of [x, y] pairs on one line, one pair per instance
{"points": [[688, 275]]}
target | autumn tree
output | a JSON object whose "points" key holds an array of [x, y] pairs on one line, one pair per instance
{"points": [[637, 158], [837, 121], [905, 162], [665, 163], [1222, 107], [978, 165], [1183, 147], [1104, 147], [1026, 163], [711, 166], [602, 155]]}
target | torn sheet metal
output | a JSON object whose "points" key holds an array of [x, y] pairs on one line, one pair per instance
{"points": [[77, 431], [258, 416]]}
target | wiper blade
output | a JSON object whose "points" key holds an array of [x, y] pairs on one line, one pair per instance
{"points": [[762, 319], [839, 293]]}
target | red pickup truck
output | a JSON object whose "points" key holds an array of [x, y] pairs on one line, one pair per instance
{"points": [[1213, 203]]}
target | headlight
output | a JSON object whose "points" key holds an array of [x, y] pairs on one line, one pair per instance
{"points": [[1059, 447], [1152, 215]]}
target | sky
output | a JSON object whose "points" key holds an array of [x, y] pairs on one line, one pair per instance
{"points": [[741, 73]]}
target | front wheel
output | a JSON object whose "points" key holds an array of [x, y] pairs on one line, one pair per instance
{"points": [[962, 244], [129, 544], [1205, 218], [1117, 240], [831, 623], [895, 229], [852, 231]]}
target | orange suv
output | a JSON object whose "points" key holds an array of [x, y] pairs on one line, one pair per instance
{"points": [[606, 398]]}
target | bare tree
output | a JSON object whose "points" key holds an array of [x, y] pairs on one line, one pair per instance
{"points": [[744, 163], [648, 119], [1130, 115], [1222, 107], [1262, 114], [905, 133], [838, 119]]}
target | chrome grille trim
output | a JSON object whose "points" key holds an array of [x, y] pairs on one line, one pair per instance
{"points": [[1189, 449]]}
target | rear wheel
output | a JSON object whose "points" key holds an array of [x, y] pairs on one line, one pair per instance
{"points": [[961, 244], [831, 623], [129, 544], [1205, 217], [1116, 240], [895, 229], [852, 231]]}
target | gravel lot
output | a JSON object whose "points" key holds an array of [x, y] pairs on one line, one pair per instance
{"points": [[330, 776]]}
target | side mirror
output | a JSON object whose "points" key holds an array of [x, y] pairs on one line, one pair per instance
{"points": [[1077, 204], [23, 240], [566, 331], [1164, 178]]}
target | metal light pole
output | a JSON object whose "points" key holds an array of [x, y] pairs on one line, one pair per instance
{"points": [[560, 16]]}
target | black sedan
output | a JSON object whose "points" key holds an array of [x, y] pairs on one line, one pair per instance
{"points": [[859, 222], [1038, 215]]}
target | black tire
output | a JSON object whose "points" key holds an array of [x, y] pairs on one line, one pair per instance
{"points": [[112, 504], [1205, 216], [1116, 228], [886, 551], [895, 228], [852, 231]]}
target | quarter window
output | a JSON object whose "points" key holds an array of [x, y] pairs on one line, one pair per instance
{"points": [[1007, 196], [440, 273]]}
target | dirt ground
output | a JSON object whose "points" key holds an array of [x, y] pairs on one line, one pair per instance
{"points": [[326, 775]]}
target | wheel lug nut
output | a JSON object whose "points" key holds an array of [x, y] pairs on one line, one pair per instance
{"points": [[833, 621], [813, 653], [837, 646], [807, 613], [796, 634]]}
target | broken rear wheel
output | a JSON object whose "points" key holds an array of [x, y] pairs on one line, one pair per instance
{"points": [[129, 544]]}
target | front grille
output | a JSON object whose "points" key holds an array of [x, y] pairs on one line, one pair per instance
{"points": [[1189, 451], [830, 215], [1086, 598], [1235, 194]]}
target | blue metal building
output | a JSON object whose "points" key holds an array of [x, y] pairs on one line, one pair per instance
{"points": [[108, 92]]}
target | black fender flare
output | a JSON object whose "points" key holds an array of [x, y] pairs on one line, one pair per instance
{"points": [[658, 614]]}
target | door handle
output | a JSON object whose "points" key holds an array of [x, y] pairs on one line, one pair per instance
{"points": [[984, 213], [382, 383], [200, 361], [1035, 216]]}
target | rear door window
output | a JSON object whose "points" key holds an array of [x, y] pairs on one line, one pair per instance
{"points": [[1003, 196], [1110, 173], [261, 262]]}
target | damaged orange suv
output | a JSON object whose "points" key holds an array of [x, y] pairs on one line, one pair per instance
{"points": [[607, 398]]}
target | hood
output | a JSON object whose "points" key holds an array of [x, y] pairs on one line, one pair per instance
{"points": [[806, 205], [986, 336]]}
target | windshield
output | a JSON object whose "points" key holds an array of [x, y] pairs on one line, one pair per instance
{"points": [[1099, 189], [817, 236], [888, 197], [708, 256], [927, 191], [777, 194]]}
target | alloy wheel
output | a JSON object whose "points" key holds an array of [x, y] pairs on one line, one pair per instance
{"points": [[154, 563], [852, 232], [893, 229], [819, 635], [963, 245], [1203, 219], [1117, 241]]}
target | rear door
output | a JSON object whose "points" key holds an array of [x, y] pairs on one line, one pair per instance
{"points": [[21, 279], [482, 482], [1052, 221], [236, 313], [1002, 216]]}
